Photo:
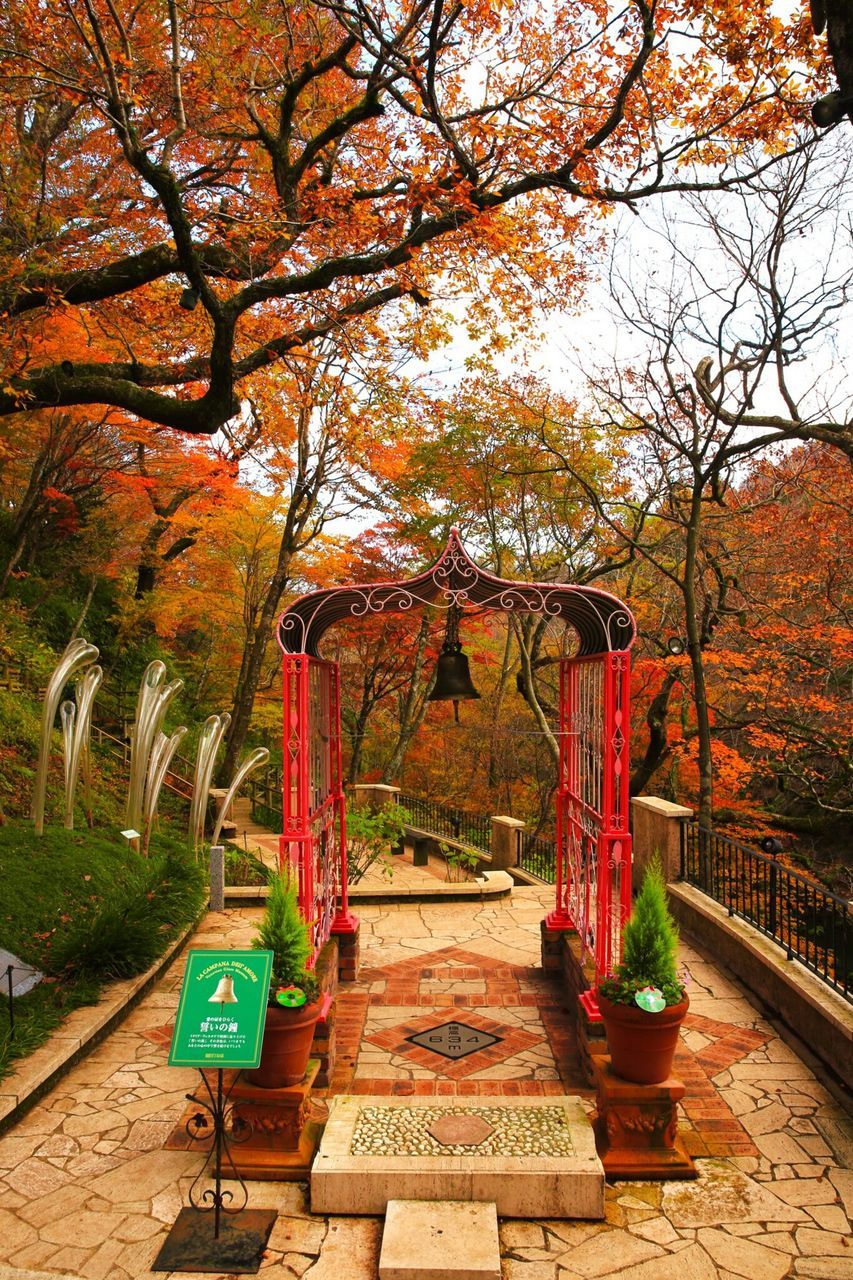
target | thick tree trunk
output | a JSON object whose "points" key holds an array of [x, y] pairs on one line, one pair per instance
{"points": [[528, 646], [657, 749], [497, 708], [251, 669], [356, 737], [25, 517], [697, 665]]}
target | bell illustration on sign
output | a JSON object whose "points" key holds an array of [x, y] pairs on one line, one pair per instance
{"points": [[224, 993]]}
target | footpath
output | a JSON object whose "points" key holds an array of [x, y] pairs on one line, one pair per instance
{"points": [[89, 1187]]}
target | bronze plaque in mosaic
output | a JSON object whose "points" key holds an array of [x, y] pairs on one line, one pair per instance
{"points": [[460, 1130]]}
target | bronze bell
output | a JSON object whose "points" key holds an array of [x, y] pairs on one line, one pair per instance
{"points": [[452, 673], [452, 678]]}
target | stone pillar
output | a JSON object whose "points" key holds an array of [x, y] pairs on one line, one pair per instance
{"points": [[217, 877], [656, 825], [373, 795], [348, 956], [551, 948], [504, 842]]}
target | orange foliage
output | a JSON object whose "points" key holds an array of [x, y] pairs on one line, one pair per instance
{"points": [[302, 169]]}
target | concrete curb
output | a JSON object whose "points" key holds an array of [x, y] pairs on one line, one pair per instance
{"points": [[81, 1031], [489, 884]]}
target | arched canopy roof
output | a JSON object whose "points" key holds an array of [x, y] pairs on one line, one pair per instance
{"points": [[603, 623]]}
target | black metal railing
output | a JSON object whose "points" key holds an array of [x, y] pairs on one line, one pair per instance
{"points": [[537, 855], [812, 924], [265, 795], [179, 777], [454, 824]]}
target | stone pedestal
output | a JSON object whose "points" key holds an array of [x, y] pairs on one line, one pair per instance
{"points": [[373, 795], [551, 948], [656, 826], [636, 1128], [283, 1140]]}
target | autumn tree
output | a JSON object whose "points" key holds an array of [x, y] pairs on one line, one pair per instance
{"points": [[332, 428], [718, 387], [381, 658], [183, 481], [200, 191], [781, 682], [482, 465], [55, 470]]}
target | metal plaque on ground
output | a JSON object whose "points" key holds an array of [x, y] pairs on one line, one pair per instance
{"points": [[454, 1039]]}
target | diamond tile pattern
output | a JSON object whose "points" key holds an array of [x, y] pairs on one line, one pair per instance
{"points": [[460, 1130], [454, 1039], [500, 1043]]}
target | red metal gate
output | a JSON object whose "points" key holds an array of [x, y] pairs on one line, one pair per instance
{"points": [[594, 847], [314, 836], [593, 842]]}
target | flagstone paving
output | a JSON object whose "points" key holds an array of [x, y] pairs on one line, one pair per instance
{"points": [[87, 1188]]}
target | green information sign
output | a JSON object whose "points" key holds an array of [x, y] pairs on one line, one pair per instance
{"points": [[222, 1010]]}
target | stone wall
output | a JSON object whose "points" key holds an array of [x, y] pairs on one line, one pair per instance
{"points": [[561, 956], [811, 1011]]}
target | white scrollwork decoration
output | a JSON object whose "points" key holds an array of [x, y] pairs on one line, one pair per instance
{"points": [[602, 621]]}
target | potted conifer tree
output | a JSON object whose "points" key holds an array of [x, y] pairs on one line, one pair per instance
{"points": [[644, 1002], [294, 1003]]}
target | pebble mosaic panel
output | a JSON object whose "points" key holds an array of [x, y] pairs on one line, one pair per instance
{"points": [[404, 1131]]}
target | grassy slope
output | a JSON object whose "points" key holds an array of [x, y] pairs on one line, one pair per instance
{"points": [[84, 908]]}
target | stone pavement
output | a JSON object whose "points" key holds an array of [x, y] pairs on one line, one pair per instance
{"points": [[88, 1190]]}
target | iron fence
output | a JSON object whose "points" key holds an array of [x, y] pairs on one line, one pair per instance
{"points": [[179, 777], [266, 799], [812, 924], [454, 824], [537, 856]]}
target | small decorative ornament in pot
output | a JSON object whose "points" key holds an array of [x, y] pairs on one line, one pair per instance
{"points": [[291, 997], [650, 999]]}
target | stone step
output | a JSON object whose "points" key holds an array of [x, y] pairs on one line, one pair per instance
{"points": [[531, 1157], [440, 1240]]}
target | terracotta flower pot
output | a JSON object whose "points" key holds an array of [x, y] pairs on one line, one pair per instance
{"points": [[288, 1034], [642, 1045]]}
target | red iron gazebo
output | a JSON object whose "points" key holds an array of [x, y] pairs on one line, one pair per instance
{"points": [[593, 888]]}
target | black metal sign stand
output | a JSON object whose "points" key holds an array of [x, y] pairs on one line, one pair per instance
{"points": [[214, 1234]]}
